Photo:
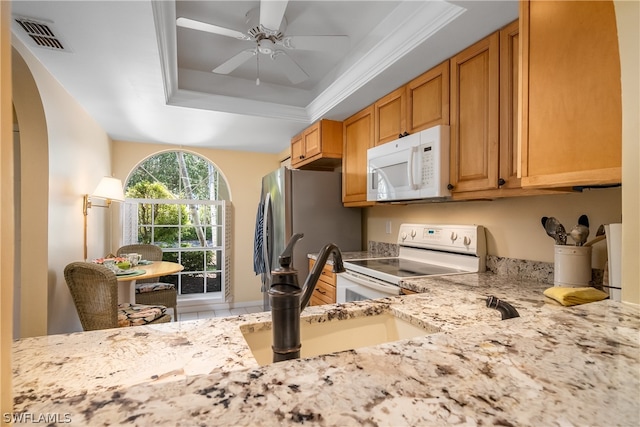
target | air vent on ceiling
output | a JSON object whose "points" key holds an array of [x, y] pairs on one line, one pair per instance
{"points": [[41, 33]]}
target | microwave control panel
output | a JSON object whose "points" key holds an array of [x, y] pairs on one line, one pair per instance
{"points": [[428, 166]]}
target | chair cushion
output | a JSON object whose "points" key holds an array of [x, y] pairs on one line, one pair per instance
{"points": [[138, 314], [155, 286]]}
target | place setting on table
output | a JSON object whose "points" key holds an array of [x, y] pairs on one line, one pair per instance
{"points": [[128, 269], [124, 265]]}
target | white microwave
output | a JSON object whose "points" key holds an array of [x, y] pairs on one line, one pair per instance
{"points": [[410, 168]]}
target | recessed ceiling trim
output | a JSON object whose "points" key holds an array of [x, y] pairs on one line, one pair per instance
{"points": [[400, 41], [191, 99], [164, 18], [406, 28]]}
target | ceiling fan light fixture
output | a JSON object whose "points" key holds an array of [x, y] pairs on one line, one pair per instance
{"points": [[266, 46]]}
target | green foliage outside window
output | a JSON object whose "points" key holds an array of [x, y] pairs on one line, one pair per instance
{"points": [[157, 214]]}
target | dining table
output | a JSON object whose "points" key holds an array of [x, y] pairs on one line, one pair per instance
{"points": [[127, 280]]}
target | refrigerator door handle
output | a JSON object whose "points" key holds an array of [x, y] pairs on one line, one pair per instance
{"points": [[266, 235]]}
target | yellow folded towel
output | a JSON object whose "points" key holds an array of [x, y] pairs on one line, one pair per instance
{"points": [[575, 296]]}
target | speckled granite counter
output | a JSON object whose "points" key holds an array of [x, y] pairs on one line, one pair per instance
{"points": [[551, 366]]}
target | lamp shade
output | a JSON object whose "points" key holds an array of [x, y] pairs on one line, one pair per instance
{"points": [[109, 188]]}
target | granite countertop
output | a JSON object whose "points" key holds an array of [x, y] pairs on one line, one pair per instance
{"points": [[554, 365]]}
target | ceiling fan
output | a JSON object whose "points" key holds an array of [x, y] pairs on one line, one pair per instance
{"points": [[266, 28]]}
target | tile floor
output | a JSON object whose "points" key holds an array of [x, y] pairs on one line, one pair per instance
{"points": [[218, 313]]}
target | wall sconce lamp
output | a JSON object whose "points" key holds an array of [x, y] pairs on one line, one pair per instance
{"points": [[109, 189]]}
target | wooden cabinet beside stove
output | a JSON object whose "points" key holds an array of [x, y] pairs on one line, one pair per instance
{"points": [[325, 291], [358, 138], [475, 116], [571, 131], [484, 123]]}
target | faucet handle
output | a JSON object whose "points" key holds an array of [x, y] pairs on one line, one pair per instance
{"points": [[285, 257]]}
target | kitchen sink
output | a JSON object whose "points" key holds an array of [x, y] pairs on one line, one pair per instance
{"points": [[326, 337]]}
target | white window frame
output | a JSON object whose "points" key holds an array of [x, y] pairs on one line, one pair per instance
{"points": [[130, 236]]}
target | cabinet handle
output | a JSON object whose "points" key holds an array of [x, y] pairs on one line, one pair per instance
{"points": [[501, 182], [322, 292], [450, 187], [301, 156], [402, 135]]}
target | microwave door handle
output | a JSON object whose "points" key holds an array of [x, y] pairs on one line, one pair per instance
{"points": [[412, 183]]}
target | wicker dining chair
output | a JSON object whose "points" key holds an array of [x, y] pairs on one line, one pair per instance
{"points": [[151, 291], [94, 289]]}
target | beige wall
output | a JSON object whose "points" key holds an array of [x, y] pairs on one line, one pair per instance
{"points": [[243, 172], [513, 226], [33, 225], [628, 17], [78, 156]]}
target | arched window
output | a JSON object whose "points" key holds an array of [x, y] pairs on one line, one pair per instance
{"points": [[180, 202]]}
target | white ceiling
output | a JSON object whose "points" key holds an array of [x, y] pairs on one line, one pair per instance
{"points": [[144, 79]]}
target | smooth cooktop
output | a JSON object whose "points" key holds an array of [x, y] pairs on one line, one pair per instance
{"points": [[403, 267]]}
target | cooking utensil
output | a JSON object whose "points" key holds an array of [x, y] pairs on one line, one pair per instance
{"points": [[600, 235], [549, 231], [561, 235], [556, 230], [579, 234], [583, 220]]}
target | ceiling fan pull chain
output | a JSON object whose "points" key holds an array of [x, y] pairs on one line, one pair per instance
{"points": [[257, 68]]}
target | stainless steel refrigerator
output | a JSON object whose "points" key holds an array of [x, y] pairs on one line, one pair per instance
{"points": [[308, 202]]}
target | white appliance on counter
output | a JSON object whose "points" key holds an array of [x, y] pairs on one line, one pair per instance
{"points": [[424, 250], [414, 167]]}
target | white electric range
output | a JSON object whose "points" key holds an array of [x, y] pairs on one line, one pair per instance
{"points": [[424, 250]]}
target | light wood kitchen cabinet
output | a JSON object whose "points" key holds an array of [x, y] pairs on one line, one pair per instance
{"points": [[571, 131], [428, 99], [475, 116], [358, 138], [318, 147], [418, 105], [390, 116], [508, 183], [325, 291], [509, 84]]}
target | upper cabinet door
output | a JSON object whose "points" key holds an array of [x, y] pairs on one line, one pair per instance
{"points": [[390, 113], [297, 150], [428, 99], [509, 84], [571, 94], [311, 138], [474, 116], [358, 138]]}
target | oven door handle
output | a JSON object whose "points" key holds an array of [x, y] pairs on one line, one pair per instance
{"points": [[372, 283]]}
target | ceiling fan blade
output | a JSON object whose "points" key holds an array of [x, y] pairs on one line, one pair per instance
{"points": [[288, 66], [234, 62], [315, 42], [210, 28], [271, 13]]}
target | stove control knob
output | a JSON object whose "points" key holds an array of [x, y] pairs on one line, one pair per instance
{"points": [[403, 236], [466, 240], [413, 234], [454, 236]]}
